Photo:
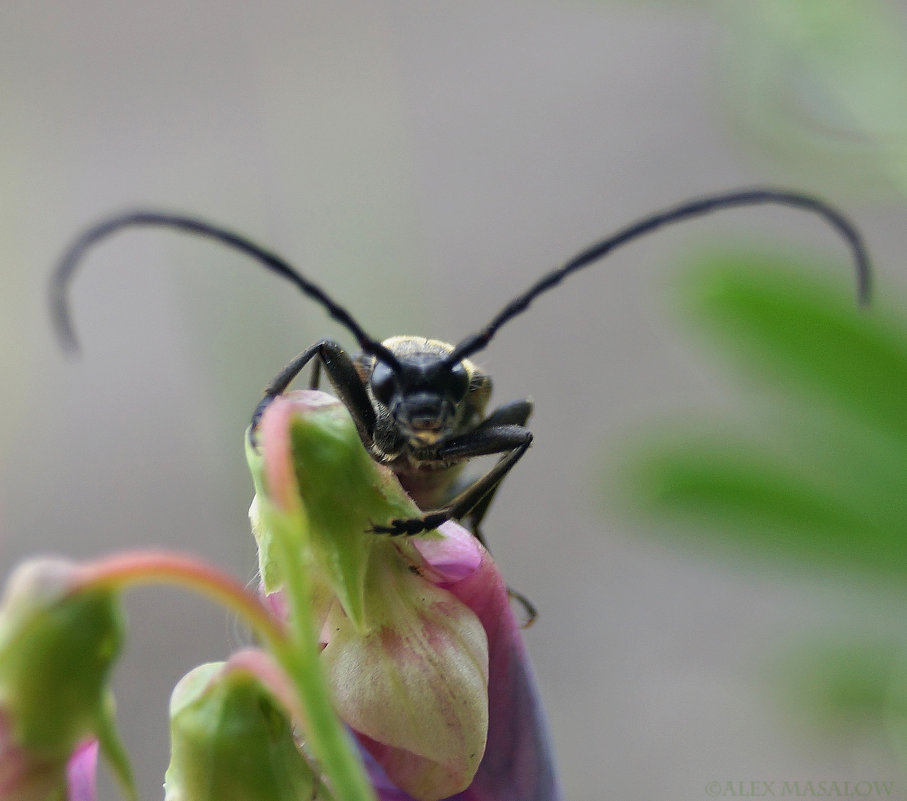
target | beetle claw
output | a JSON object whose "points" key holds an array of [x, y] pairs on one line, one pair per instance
{"points": [[412, 526]]}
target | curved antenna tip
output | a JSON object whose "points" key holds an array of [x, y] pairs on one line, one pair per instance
{"points": [[66, 268], [684, 211], [61, 320], [864, 280]]}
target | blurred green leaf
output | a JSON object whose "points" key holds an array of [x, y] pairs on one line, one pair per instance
{"points": [[833, 684], [814, 469], [761, 506], [804, 335]]}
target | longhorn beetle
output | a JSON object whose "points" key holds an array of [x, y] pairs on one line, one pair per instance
{"points": [[419, 404]]}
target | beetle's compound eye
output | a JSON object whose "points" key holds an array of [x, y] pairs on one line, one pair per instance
{"points": [[383, 382], [457, 384]]}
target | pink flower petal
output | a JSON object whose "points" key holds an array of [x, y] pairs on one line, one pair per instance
{"points": [[518, 764], [415, 686], [452, 557], [81, 772]]}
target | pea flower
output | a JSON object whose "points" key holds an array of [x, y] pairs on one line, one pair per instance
{"points": [[419, 647]]}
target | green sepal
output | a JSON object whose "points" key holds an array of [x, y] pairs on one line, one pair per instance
{"points": [[341, 492]]}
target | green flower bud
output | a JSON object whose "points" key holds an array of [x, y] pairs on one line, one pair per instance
{"points": [[230, 741], [59, 638], [58, 643]]}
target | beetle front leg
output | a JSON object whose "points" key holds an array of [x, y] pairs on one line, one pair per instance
{"points": [[481, 442], [514, 413], [343, 376]]}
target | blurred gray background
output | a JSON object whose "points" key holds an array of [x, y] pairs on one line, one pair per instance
{"points": [[424, 161]]}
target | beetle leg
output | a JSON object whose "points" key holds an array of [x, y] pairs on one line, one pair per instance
{"points": [[481, 442], [315, 378], [516, 413], [344, 378], [510, 414]]}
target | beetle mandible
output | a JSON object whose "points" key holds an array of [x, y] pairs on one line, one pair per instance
{"points": [[419, 404]]}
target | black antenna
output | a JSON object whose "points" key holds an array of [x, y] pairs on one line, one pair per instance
{"points": [[67, 267], [692, 208]]}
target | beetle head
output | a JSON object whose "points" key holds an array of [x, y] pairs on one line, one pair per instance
{"points": [[422, 391]]}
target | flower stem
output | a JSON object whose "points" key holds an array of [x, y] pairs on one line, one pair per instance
{"points": [[133, 568], [299, 654]]}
